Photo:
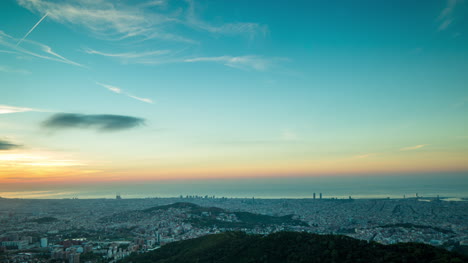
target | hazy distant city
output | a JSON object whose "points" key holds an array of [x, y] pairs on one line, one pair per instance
{"points": [[107, 230]]}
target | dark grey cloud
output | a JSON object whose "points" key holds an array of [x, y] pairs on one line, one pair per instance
{"points": [[101, 122], [5, 145]]}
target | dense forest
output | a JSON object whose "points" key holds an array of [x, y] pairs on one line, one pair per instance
{"points": [[291, 247]]}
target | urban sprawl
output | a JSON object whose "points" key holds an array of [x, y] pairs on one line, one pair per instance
{"points": [[106, 230]]}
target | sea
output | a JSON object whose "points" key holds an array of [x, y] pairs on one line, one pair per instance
{"points": [[450, 186]]}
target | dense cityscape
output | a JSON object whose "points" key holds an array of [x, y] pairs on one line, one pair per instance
{"points": [[107, 230]]}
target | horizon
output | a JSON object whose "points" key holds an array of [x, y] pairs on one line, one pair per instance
{"points": [[184, 92], [358, 187]]}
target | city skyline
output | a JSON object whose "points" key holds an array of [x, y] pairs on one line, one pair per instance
{"points": [[99, 92]]}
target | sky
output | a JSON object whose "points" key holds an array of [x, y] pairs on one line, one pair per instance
{"points": [[101, 91]]}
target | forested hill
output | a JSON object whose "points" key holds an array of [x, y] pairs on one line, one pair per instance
{"points": [[291, 247], [200, 216]]}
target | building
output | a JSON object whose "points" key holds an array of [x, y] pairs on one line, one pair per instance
{"points": [[44, 242], [29, 239], [88, 248], [18, 244], [74, 258]]}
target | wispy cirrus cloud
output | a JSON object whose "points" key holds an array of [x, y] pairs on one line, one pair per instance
{"points": [[446, 17], [104, 18], [241, 62], [7, 69], [124, 19], [9, 51], [237, 28], [34, 49], [120, 91], [131, 57], [153, 3], [5, 109], [100, 122], [145, 20], [249, 62], [411, 148]]}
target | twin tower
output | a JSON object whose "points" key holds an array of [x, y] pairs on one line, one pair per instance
{"points": [[320, 196]]}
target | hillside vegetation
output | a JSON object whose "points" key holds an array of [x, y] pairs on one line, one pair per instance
{"points": [[291, 247]]}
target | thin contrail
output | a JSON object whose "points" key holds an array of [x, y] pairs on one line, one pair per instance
{"points": [[29, 32]]}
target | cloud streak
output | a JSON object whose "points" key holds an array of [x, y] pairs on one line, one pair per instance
{"points": [[364, 156], [12, 70], [140, 99], [120, 91], [247, 62], [5, 109], [31, 30], [6, 145], [131, 57], [445, 18], [411, 148], [241, 62], [40, 50], [110, 87], [100, 122]]}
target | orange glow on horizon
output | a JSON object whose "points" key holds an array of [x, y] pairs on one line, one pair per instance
{"points": [[42, 168]]}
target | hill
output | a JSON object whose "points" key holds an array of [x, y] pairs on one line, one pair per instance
{"points": [[200, 216], [290, 247]]}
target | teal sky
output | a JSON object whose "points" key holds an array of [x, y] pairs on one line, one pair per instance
{"points": [[231, 88]]}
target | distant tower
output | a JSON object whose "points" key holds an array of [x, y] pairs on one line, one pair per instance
{"points": [[118, 197], [320, 196], [314, 196]]}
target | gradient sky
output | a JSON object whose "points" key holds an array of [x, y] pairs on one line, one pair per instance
{"points": [[102, 90]]}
